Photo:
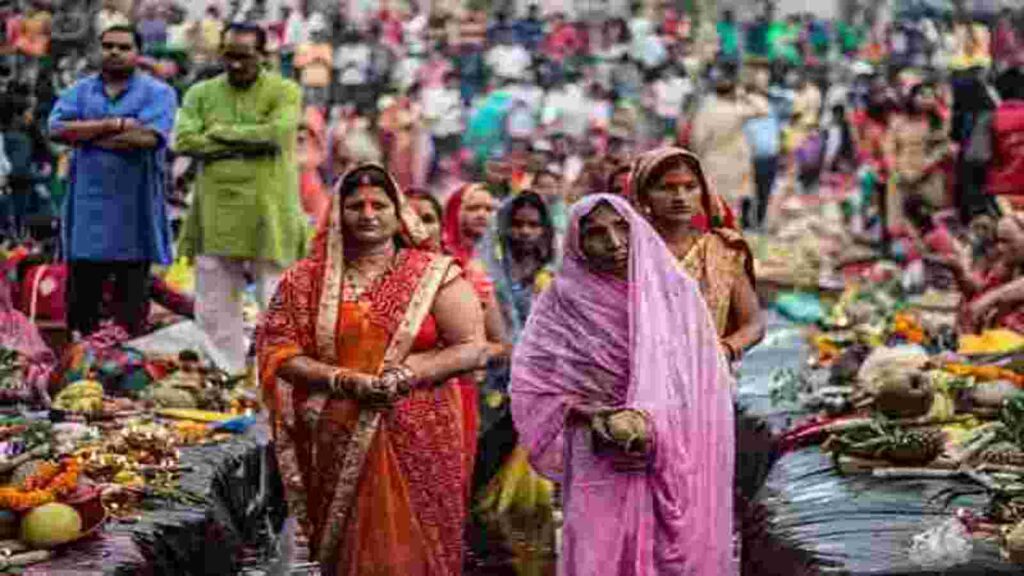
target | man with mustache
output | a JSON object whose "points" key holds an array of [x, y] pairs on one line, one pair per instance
{"points": [[246, 217], [115, 224]]}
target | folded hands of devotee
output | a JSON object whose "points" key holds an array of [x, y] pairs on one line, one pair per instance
{"points": [[623, 436], [381, 391]]}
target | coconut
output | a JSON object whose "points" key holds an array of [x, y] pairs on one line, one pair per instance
{"points": [[627, 427], [171, 397], [50, 525], [903, 394], [1015, 544], [890, 360]]}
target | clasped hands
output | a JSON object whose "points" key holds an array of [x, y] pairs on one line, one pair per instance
{"points": [[393, 383], [624, 435]]}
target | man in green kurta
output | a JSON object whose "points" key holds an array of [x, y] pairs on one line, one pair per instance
{"points": [[246, 215]]}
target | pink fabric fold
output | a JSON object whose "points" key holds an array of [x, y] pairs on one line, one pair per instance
{"points": [[18, 333], [649, 344]]}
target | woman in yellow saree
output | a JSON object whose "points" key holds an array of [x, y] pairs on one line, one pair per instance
{"points": [[355, 356], [670, 189]]}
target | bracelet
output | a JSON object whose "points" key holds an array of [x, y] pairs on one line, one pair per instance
{"points": [[338, 383], [400, 376]]}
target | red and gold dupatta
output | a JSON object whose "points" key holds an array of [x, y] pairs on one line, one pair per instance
{"points": [[305, 319]]}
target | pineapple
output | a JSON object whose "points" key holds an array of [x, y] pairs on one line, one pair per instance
{"points": [[882, 440], [915, 446]]}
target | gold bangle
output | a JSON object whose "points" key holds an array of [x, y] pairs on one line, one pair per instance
{"points": [[337, 381]]}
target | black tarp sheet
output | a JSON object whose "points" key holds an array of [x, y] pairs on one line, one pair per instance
{"points": [[809, 519], [244, 509]]}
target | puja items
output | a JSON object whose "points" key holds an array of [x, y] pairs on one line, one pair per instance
{"points": [[881, 440], [120, 456]]}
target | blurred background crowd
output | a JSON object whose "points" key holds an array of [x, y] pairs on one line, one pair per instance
{"points": [[555, 98]]}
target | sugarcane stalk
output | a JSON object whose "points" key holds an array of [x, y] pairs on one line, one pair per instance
{"points": [[993, 467], [846, 425], [914, 473], [25, 559], [12, 546], [150, 469], [925, 421], [857, 464]]}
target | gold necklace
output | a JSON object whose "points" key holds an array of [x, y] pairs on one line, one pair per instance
{"points": [[355, 283], [682, 251]]}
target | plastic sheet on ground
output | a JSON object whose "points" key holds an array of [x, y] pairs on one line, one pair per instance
{"points": [[244, 509], [810, 519], [175, 338], [859, 524]]}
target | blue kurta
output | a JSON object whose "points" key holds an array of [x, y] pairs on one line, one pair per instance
{"points": [[115, 209]]}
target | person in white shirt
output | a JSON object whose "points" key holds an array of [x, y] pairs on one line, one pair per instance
{"points": [[442, 110], [565, 109], [507, 60], [530, 93], [669, 95], [414, 30], [639, 29], [352, 72], [110, 15], [615, 44]]}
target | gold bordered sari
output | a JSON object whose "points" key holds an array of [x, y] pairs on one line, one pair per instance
{"points": [[372, 489]]}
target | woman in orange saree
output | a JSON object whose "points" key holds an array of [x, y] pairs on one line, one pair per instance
{"points": [[355, 357], [671, 191]]}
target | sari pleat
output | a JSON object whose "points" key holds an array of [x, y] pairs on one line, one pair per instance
{"points": [[403, 520]]}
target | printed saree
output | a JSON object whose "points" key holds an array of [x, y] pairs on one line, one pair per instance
{"points": [[372, 489]]}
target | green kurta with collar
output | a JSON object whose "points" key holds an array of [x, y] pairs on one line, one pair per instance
{"points": [[245, 205]]}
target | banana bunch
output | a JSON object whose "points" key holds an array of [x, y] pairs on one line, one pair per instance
{"points": [[82, 396], [517, 489]]}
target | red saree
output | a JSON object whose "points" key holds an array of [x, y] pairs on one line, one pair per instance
{"points": [[372, 489]]}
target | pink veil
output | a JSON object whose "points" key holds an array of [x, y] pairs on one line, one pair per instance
{"points": [[647, 344]]}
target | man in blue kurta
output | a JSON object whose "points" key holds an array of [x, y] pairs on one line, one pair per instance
{"points": [[115, 221]]}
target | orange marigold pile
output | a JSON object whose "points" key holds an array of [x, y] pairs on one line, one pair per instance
{"points": [[48, 483]]}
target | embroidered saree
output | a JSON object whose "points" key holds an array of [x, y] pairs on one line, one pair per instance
{"points": [[372, 489]]}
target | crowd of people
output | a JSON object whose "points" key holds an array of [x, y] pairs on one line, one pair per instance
{"points": [[493, 254]]}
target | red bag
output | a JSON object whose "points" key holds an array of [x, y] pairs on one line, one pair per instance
{"points": [[43, 292]]}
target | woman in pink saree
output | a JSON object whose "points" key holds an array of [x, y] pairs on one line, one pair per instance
{"points": [[618, 393]]}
